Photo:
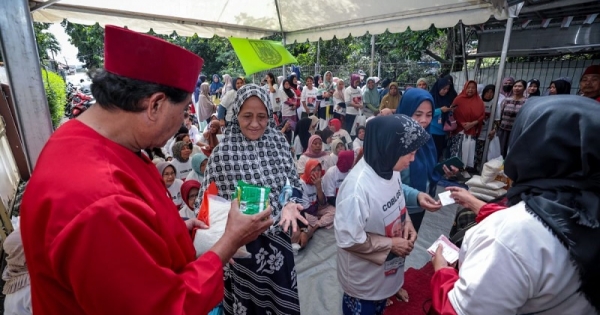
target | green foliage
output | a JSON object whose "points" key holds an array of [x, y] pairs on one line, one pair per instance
{"points": [[56, 94], [89, 40], [46, 41]]}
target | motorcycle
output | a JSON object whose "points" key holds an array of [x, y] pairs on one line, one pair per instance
{"points": [[80, 103]]}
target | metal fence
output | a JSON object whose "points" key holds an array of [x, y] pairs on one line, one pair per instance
{"points": [[544, 71], [407, 73]]}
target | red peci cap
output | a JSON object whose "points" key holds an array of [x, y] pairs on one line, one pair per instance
{"points": [[593, 69], [147, 58]]}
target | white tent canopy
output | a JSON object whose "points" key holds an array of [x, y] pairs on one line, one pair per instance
{"points": [[298, 20]]}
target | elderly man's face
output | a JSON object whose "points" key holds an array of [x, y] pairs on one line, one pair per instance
{"points": [[590, 85]]}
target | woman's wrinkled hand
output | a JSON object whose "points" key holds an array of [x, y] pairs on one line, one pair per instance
{"points": [[289, 216], [464, 198], [409, 232], [438, 261]]}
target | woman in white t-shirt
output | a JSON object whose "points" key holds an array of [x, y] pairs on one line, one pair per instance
{"points": [[181, 158], [335, 125], [373, 230], [357, 144], [354, 102], [315, 208], [314, 151], [273, 90], [337, 146], [333, 178], [168, 173]]}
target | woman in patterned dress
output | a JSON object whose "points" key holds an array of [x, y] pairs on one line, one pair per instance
{"points": [[253, 151]]}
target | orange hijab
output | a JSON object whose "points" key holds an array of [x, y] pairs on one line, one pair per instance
{"points": [[468, 109], [308, 168]]}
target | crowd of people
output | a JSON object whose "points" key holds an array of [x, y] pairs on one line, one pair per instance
{"points": [[356, 158]]}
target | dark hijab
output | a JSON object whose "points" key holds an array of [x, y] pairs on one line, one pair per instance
{"points": [[303, 132], [289, 91], [446, 100], [388, 138], [486, 89], [556, 172], [562, 87], [452, 92], [291, 81], [422, 168], [537, 83]]}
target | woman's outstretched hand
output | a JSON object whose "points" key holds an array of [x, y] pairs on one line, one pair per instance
{"points": [[289, 216]]}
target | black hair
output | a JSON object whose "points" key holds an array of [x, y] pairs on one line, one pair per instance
{"points": [[272, 77], [324, 134], [309, 78], [235, 82], [489, 87], [289, 91], [522, 82], [112, 91]]}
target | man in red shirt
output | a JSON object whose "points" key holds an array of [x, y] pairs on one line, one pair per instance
{"points": [[100, 233]]}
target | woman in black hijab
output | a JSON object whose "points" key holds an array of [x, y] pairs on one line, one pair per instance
{"points": [[541, 255]]}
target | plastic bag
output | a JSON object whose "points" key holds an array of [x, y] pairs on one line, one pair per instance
{"points": [[214, 212], [491, 169], [494, 149], [253, 199], [476, 181]]}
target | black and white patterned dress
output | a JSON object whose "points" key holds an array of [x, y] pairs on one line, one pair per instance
{"points": [[266, 282]]}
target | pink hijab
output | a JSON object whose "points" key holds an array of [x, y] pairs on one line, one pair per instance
{"points": [[312, 154]]}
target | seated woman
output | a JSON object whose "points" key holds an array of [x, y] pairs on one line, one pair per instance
{"points": [[373, 230], [333, 178], [335, 125], [540, 255], [327, 137], [314, 151], [189, 193], [168, 173], [17, 289], [316, 210], [181, 159], [302, 133], [199, 161], [209, 140], [337, 146], [358, 142]]}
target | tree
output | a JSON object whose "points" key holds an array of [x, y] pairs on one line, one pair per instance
{"points": [[46, 41], [89, 40]]}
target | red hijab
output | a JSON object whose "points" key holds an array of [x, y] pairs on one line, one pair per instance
{"points": [[187, 186], [468, 109], [308, 168], [345, 161], [336, 123]]}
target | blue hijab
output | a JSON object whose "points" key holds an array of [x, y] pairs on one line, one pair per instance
{"points": [[197, 89], [214, 86], [426, 156]]}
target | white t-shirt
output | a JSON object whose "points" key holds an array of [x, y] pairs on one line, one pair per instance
{"points": [[511, 263], [286, 109], [183, 168], [332, 180], [336, 108], [227, 101], [274, 97], [367, 203], [298, 149], [308, 96], [309, 194], [194, 134], [356, 145], [186, 212], [352, 96], [175, 191], [193, 176]]}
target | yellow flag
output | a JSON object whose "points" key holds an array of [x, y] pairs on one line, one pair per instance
{"points": [[259, 55]]}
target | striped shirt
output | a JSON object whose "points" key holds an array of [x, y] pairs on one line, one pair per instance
{"points": [[510, 109]]}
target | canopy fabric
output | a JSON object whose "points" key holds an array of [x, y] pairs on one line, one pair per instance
{"points": [[300, 20]]}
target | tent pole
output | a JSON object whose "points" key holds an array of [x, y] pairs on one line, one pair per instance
{"points": [[463, 47], [379, 69], [372, 55], [509, 23], [283, 67], [318, 65], [24, 75]]}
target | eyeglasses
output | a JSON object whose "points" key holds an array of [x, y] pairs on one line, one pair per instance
{"points": [[192, 196], [169, 174]]}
